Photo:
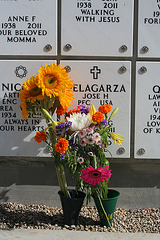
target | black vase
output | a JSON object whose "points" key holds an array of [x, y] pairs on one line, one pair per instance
{"points": [[71, 205]]}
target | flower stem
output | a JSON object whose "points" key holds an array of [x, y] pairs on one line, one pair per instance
{"points": [[95, 161], [59, 167], [56, 103], [62, 179], [105, 212]]}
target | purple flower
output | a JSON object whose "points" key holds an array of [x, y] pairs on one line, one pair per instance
{"points": [[60, 125], [84, 109], [72, 144], [105, 122], [62, 155], [67, 125]]}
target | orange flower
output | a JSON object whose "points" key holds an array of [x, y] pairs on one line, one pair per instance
{"points": [[61, 110], [75, 110], [40, 136], [61, 145], [97, 117], [105, 108]]}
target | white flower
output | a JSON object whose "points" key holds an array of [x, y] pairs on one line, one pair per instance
{"points": [[97, 137], [90, 154], [80, 160], [79, 121]]}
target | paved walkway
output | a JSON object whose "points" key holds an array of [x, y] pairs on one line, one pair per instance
{"points": [[71, 235]]}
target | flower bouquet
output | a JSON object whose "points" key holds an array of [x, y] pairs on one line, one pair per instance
{"points": [[87, 132], [79, 136]]}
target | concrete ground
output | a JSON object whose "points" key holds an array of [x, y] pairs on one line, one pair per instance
{"points": [[70, 235]]}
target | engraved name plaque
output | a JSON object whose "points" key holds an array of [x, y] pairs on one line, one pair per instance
{"points": [[149, 28], [147, 123], [102, 82], [17, 134], [97, 27], [28, 27]]}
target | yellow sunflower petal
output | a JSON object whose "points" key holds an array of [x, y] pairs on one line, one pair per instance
{"points": [[30, 92], [54, 81]]}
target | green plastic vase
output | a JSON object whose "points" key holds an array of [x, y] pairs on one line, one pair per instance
{"points": [[109, 205]]}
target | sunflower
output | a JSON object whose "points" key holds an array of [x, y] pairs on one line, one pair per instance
{"points": [[55, 82], [30, 92]]}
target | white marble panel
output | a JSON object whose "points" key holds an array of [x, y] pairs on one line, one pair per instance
{"points": [[147, 121], [149, 28], [17, 134], [104, 82], [27, 27], [97, 27]]}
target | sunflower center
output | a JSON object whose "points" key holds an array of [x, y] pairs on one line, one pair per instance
{"points": [[35, 91], [50, 81]]}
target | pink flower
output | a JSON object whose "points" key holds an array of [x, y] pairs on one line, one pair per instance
{"points": [[94, 176], [96, 127], [97, 137], [89, 129], [102, 145], [82, 133], [92, 125], [82, 142], [99, 142], [90, 140]]}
